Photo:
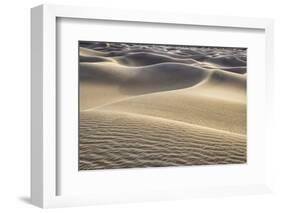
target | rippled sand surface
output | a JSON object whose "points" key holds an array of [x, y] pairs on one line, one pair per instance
{"points": [[160, 105]]}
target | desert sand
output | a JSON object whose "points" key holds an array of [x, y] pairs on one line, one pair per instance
{"points": [[145, 105]]}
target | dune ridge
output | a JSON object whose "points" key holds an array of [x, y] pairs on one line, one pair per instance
{"points": [[157, 105], [148, 57]]}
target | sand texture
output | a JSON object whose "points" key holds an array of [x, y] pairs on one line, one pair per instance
{"points": [[147, 105]]}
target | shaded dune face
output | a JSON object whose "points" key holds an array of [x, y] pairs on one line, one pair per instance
{"points": [[143, 58], [159, 105], [152, 78]]}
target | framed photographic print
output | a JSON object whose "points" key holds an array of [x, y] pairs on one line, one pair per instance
{"points": [[131, 105]]}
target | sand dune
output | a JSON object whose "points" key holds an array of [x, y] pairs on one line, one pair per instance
{"points": [[161, 105], [87, 52], [144, 57], [191, 106], [121, 81], [103, 94], [123, 140], [228, 61], [145, 79], [95, 59], [223, 86], [103, 82]]}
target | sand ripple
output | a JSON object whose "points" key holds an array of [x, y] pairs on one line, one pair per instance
{"points": [[122, 140]]}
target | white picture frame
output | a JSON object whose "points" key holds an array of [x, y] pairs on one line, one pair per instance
{"points": [[44, 154]]}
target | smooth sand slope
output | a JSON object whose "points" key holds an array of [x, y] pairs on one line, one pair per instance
{"points": [[150, 106]]}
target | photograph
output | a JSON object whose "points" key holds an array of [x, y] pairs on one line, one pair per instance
{"points": [[161, 105]]}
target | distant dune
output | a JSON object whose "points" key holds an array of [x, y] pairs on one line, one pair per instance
{"points": [[161, 105]]}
